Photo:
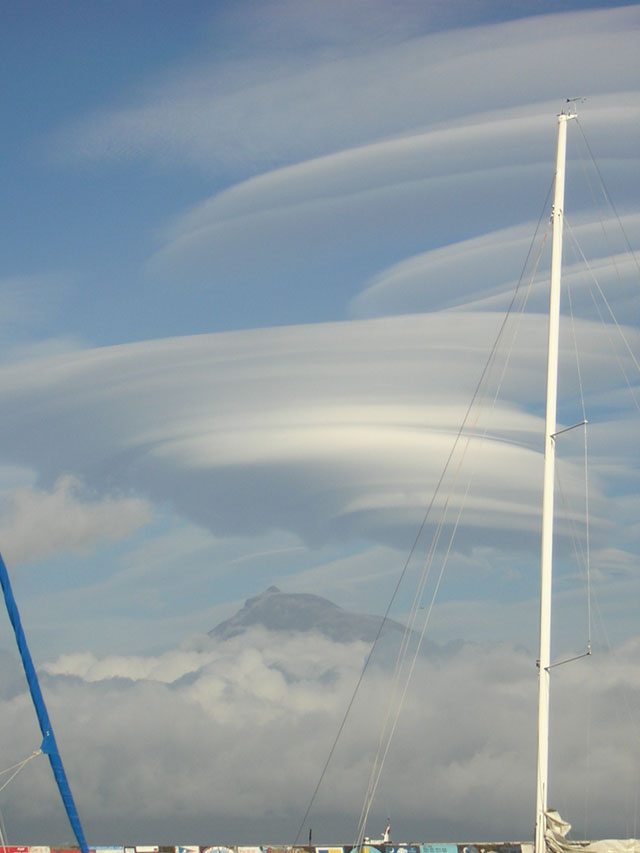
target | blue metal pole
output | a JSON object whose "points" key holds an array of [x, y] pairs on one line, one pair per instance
{"points": [[49, 745]]}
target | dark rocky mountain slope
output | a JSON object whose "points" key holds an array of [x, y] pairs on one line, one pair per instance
{"points": [[303, 612]]}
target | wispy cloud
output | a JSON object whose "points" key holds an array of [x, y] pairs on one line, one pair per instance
{"points": [[463, 275], [287, 106]]}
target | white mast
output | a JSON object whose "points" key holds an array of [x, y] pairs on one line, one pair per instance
{"points": [[544, 660]]}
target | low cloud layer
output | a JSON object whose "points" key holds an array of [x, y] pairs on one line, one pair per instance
{"points": [[225, 730]]}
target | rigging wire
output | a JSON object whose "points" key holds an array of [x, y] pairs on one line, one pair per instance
{"points": [[13, 770], [592, 596], [587, 536], [630, 711], [592, 600], [609, 200], [587, 551], [401, 684], [407, 634], [388, 728], [16, 768], [613, 317], [3, 833]]}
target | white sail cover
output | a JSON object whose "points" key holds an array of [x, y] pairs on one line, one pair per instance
{"points": [[557, 841]]}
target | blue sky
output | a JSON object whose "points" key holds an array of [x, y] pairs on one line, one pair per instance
{"points": [[254, 258]]}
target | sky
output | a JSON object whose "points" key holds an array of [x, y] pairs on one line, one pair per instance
{"points": [[254, 259]]}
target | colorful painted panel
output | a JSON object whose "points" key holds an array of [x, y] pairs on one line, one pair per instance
{"points": [[277, 849]]}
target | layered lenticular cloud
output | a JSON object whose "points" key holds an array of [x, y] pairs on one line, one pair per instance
{"points": [[281, 106], [296, 250], [313, 430]]}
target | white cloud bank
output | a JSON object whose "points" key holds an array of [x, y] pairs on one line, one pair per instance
{"points": [[229, 737], [38, 523]]}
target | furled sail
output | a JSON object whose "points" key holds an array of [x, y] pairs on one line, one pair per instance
{"points": [[557, 841]]}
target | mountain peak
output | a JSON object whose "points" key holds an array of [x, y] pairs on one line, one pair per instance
{"points": [[302, 612]]}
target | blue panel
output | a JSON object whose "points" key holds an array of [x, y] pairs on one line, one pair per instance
{"points": [[438, 848], [49, 746]]}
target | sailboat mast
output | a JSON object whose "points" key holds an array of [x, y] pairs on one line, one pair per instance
{"points": [[544, 659], [49, 745]]}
